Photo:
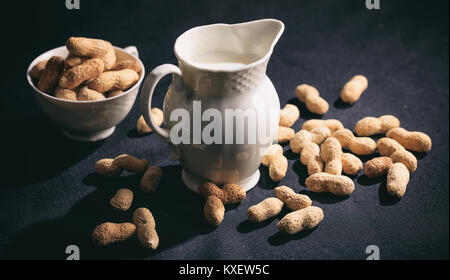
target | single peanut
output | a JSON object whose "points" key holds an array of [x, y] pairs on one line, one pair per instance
{"points": [[306, 218], [310, 96], [233, 193], [66, 94], [113, 167], [310, 156], [146, 228], [332, 124], [405, 157], [79, 74], [214, 210], [95, 48], [357, 145], [331, 154], [107, 167], [51, 74], [108, 233], [351, 164], [412, 140], [122, 199], [391, 148], [151, 179], [370, 125], [284, 134], [352, 90], [291, 199], [289, 115], [397, 179], [335, 184], [87, 47], [86, 94], [37, 69], [121, 79], [387, 146], [273, 151], [127, 64], [131, 163], [266, 209], [157, 115], [278, 168], [228, 194], [316, 135], [377, 166]]}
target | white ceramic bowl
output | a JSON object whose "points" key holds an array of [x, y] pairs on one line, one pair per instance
{"points": [[87, 120]]}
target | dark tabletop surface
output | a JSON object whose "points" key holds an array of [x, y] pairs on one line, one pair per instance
{"points": [[50, 197]]}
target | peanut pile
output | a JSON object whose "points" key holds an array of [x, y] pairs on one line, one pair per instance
{"points": [[320, 144], [143, 225], [90, 72]]}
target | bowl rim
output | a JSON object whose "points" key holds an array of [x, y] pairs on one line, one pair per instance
{"points": [[46, 95]]}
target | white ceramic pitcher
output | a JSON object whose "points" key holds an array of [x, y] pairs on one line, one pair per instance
{"points": [[221, 67]]}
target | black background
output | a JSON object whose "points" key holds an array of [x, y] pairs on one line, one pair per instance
{"points": [[50, 197]]}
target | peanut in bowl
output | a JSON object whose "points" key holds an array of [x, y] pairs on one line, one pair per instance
{"points": [[90, 120]]}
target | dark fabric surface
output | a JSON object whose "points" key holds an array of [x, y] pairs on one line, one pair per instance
{"points": [[50, 197]]}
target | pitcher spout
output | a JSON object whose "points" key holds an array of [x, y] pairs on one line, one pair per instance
{"points": [[259, 36]]}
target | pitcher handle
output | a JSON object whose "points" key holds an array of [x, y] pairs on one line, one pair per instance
{"points": [[147, 92]]}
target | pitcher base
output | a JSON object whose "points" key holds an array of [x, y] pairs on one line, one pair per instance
{"points": [[192, 182]]}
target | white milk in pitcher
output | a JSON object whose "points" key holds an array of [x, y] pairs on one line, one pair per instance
{"points": [[224, 60]]}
